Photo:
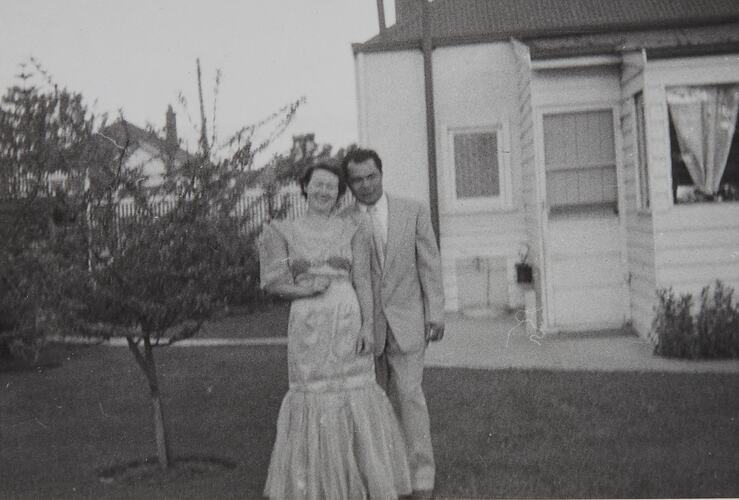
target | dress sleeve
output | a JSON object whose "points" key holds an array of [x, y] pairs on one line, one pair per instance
{"points": [[273, 257]]}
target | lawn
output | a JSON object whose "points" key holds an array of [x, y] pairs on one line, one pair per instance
{"points": [[269, 321], [508, 433]]}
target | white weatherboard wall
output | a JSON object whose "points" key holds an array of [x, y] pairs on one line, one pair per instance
{"points": [[392, 118], [475, 87], [150, 161], [639, 222], [695, 244]]}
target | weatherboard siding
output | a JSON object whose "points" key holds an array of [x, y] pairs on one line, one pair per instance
{"points": [[475, 88], [392, 115], [695, 244], [529, 179], [639, 223]]}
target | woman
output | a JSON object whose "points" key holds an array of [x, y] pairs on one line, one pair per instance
{"points": [[337, 436]]}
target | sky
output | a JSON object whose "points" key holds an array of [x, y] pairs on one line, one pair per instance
{"points": [[138, 55]]}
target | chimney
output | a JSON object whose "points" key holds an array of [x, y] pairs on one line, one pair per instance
{"points": [[170, 137], [407, 9], [381, 14], [170, 130]]}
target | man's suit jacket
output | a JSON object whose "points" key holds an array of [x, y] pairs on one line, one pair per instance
{"points": [[408, 290]]}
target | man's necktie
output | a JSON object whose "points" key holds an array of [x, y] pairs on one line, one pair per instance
{"points": [[378, 233]]}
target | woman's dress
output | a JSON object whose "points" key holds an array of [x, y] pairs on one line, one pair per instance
{"points": [[337, 434]]}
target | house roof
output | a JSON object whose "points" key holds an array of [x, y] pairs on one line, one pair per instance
{"points": [[122, 131], [455, 22]]}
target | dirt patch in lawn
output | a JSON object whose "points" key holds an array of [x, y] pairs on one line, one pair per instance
{"points": [[148, 470]]}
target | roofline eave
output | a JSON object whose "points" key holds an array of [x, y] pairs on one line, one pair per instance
{"points": [[389, 46], [475, 38], [692, 50]]}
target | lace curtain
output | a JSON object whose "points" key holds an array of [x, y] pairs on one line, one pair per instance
{"points": [[705, 120]]}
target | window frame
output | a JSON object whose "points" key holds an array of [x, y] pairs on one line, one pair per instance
{"points": [[500, 202], [669, 128], [589, 107]]}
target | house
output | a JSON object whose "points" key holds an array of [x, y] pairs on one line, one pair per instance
{"points": [[593, 140], [146, 151]]}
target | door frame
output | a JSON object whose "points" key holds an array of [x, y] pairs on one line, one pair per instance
{"points": [[540, 111]]}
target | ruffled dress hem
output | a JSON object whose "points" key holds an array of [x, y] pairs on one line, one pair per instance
{"points": [[338, 444]]}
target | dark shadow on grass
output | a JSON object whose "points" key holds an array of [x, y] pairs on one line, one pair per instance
{"points": [[49, 357], [22, 365]]}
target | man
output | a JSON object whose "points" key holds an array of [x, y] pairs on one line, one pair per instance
{"points": [[408, 299]]}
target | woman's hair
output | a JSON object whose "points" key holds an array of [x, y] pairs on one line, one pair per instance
{"points": [[328, 167]]}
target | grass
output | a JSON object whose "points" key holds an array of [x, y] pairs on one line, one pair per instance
{"points": [[536, 433], [508, 433]]}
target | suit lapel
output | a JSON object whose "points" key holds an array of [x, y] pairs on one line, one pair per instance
{"points": [[396, 224]]}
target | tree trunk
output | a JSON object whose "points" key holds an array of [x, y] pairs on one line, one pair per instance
{"points": [[160, 431], [146, 362]]}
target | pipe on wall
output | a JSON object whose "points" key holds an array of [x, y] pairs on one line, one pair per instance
{"points": [[427, 48]]}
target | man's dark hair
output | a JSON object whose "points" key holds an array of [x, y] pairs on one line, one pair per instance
{"points": [[329, 167], [358, 156]]}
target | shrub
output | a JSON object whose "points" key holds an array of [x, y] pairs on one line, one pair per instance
{"points": [[712, 332], [673, 325], [717, 323]]}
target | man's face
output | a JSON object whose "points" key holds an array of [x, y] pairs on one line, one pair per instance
{"points": [[365, 181]]}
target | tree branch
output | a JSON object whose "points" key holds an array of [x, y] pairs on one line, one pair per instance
{"points": [[134, 347]]}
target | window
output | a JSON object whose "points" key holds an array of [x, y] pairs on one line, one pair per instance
{"points": [[642, 178], [580, 160], [477, 176], [476, 165], [703, 143]]}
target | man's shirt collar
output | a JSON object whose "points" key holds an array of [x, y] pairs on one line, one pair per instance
{"points": [[381, 204]]}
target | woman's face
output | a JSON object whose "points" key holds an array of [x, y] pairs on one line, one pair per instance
{"points": [[322, 191]]}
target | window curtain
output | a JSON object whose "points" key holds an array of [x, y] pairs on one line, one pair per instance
{"points": [[704, 120]]}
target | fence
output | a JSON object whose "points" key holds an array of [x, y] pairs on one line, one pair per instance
{"points": [[253, 206], [13, 187]]}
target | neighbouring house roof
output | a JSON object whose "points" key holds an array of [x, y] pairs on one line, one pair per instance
{"points": [[122, 131], [456, 22]]}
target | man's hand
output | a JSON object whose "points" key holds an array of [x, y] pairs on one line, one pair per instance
{"points": [[434, 331], [365, 342]]}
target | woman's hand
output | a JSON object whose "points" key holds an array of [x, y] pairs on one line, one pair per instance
{"points": [[321, 284], [365, 342], [313, 285]]}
